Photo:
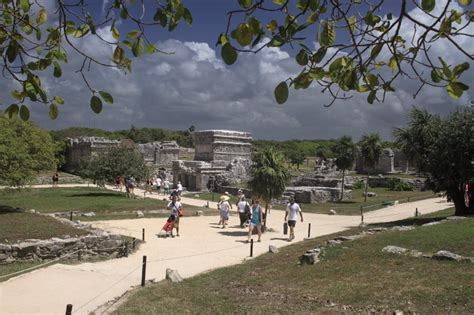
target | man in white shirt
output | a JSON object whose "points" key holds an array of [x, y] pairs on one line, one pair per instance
{"points": [[179, 188], [166, 187], [244, 211], [173, 207], [158, 184], [291, 214]]}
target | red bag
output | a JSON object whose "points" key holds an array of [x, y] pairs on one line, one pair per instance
{"points": [[180, 212]]}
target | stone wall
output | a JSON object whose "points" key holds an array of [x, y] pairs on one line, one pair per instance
{"points": [[221, 145], [83, 147], [305, 194], [389, 162], [383, 182], [97, 243], [159, 152]]}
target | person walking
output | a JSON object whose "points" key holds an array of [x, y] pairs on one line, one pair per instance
{"points": [[166, 187], [179, 189], [158, 184], [256, 220], [55, 179], [224, 210], [244, 210], [173, 206], [292, 211]]}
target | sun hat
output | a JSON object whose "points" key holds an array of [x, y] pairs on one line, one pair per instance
{"points": [[224, 198]]}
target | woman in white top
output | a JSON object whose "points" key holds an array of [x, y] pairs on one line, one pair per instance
{"points": [[244, 210], [224, 210]]}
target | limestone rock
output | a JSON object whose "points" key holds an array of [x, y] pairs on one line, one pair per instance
{"points": [[394, 249], [455, 217], [446, 255], [369, 194], [403, 228], [432, 223], [311, 257], [398, 312], [140, 214], [273, 249], [199, 213], [349, 237], [333, 242], [415, 253], [89, 214], [173, 275], [332, 212], [377, 229]]}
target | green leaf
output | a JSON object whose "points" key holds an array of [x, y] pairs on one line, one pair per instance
{"points": [[25, 5], [228, 53], [446, 70], [81, 31], [465, 2], [118, 54], [428, 5], [57, 70], [255, 26], [460, 68], [312, 18], [317, 73], [53, 111], [17, 95], [435, 76], [363, 88], [279, 2], [372, 80], [328, 34], [12, 110], [58, 99], [376, 50], [160, 17], [188, 17], [12, 51], [24, 113], [455, 89], [371, 19], [281, 92], [319, 55], [392, 64], [42, 16], [302, 81], [106, 97], [150, 49], [244, 34], [371, 97], [138, 47], [115, 33], [272, 26], [352, 23], [96, 104], [245, 3], [133, 34], [302, 58]]}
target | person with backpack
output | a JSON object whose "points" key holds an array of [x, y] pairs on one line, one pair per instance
{"points": [[174, 207], [244, 211]]}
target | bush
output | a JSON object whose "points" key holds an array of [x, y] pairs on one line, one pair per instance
{"points": [[396, 184], [358, 185]]}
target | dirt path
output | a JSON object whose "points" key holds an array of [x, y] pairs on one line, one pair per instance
{"points": [[202, 246]]}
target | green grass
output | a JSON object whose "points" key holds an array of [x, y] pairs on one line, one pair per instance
{"points": [[351, 207], [84, 199], [15, 226], [356, 276]]}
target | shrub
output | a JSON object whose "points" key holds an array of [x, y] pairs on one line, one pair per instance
{"points": [[396, 184]]}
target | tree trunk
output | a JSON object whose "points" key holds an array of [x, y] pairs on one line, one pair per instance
{"points": [[265, 218], [342, 188], [460, 207]]}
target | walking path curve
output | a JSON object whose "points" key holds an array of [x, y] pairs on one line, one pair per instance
{"points": [[202, 246]]}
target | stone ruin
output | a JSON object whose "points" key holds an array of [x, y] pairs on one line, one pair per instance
{"points": [[158, 153], [390, 161], [222, 157]]}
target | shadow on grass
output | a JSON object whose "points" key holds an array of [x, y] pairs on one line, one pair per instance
{"points": [[410, 221], [98, 194], [7, 209]]}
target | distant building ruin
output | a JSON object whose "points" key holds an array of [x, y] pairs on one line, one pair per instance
{"points": [[390, 161], [221, 156]]}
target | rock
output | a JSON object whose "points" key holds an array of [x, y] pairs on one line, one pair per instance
{"points": [[432, 223], [333, 242], [403, 228], [140, 214], [32, 211], [445, 255], [377, 229], [369, 194], [395, 202], [273, 249], [398, 312], [5, 248], [415, 253], [199, 213], [394, 249], [349, 237], [196, 196], [332, 212], [311, 256], [173, 275], [3, 257], [89, 214], [455, 217]]}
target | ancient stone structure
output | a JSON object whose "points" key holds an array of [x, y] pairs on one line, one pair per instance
{"points": [[83, 147], [312, 194], [221, 157], [160, 153], [390, 161]]}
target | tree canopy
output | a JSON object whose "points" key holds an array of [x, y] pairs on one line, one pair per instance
{"points": [[24, 151], [362, 47], [370, 148], [444, 150], [345, 152]]}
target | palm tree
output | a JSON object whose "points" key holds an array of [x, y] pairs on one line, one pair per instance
{"points": [[371, 149], [269, 176], [344, 151]]}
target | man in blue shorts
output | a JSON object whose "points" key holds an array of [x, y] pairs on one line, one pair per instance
{"points": [[292, 210]]}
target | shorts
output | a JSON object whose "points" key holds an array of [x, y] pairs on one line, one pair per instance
{"points": [[292, 223]]}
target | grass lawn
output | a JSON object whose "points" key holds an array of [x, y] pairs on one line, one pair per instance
{"points": [[347, 207], [353, 277], [102, 202], [15, 226]]}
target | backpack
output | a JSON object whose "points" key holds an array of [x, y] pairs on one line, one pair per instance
{"points": [[247, 208]]}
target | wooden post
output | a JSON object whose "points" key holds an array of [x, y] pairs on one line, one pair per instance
{"points": [[126, 249], [69, 309], [70, 216], [143, 234], [143, 271], [133, 243], [416, 212], [251, 247], [208, 204], [79, 255], [309, 230], [361, 215]]}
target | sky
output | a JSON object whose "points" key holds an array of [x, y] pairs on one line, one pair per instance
{"points": [[193, 86]]}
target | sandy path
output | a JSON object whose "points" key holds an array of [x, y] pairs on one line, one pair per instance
{"points": [[202, 246]]}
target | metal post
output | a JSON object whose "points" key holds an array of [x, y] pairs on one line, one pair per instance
{"points": [[143, 271], [309, 230], [126, 249], [70, 216], [416, 212], [251, 247], [143, 234], [133, 243], [208, 204], [69, 309], [361, 214]]}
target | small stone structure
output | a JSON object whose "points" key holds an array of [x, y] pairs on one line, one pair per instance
{"points": [[312, 194], [390, 161], [221, 157], [160, 153]]}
